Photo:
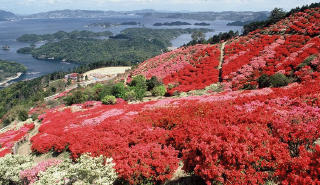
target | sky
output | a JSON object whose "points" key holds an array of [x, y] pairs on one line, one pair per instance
{"points": [[37, 6]]}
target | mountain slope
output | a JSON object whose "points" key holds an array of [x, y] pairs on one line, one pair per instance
{"points": [[261, 136], [5, 16], [290, 47]]}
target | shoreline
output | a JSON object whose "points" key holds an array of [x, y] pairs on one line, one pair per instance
{"points": [[5, 82]]}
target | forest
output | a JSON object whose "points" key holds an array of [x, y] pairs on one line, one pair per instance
{"points": [[10, 69], [62, 35]]}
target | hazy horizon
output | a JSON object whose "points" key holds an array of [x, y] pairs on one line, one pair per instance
{"points": [[38, 6]]}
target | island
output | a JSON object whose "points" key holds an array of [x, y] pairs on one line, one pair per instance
{"points": [[62, 35], [132, 45], [132, 23], [202, 24], [176, 23], [238, 23], [109, 24], [103, 25], [5, 47], [10, 70]]}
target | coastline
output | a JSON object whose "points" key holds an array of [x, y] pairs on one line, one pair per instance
{"points": [[5, 82]]}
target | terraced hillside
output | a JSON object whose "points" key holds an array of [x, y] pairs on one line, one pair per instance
{"points": [[263, 128]]}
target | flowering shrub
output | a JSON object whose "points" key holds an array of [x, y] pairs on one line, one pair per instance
{"points": [[31, 175], [201, 72], [147, 163], [11, 165], [167, 63], [10, 137], [87, 170], [230, 137]]}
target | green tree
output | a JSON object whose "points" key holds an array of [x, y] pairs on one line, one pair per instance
{"points": [[153, 82], [198, 36], [54, 89], [139, 85], [78, 96], [276, 15]]}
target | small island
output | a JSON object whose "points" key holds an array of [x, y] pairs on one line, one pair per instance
{"points": [[130, 23], [6, 47], [202, 24], [176, 23], [103, 25], [239, 23], [109, 25], [10, 70], [62, 35]]}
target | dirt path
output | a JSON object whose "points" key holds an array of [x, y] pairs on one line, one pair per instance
{"points": [[25, 148], [221, 60], [221, 55]]}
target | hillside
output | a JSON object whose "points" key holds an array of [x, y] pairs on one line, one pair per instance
{"points": [[132, 45], [10, 69], [6, 16], [290, 47], [261, 127]]}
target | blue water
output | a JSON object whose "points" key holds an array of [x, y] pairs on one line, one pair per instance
{"points": [[11, 30]]}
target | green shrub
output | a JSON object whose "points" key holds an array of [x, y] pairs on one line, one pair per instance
{"points": [[34, 116], [23, 115], [104, 91], [306, 61], [109, 100], [153, 82], [77, 96], [263, 81], [131, 95], [118, 90], [138, 80], [159, 90], [139, 85], [278, 80]]}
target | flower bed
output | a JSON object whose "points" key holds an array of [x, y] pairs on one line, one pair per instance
{"points": [[10, 137], [232, 137]]}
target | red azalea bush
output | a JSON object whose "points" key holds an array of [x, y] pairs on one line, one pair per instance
{"points": [[244, 137], [167, 63], [201, 72], [232, 137], [10, 137]]}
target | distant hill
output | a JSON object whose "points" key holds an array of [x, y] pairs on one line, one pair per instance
{"points": [[5, 16], [86, 13], [74, 14], [149, 13], [202, 16]]}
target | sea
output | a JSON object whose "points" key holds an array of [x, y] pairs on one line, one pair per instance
{"points": [[11, 30]]}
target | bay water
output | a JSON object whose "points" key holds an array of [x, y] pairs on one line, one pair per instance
{"points": [[11, 30]]}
